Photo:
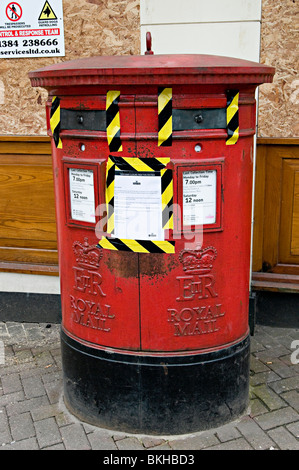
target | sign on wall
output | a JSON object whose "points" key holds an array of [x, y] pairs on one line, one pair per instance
{"points": [[31, 28]]}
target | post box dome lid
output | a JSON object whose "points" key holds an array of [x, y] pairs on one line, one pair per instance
{"points": [[151, 69]]}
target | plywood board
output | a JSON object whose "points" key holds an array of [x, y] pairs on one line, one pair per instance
{"points": [[279, 102]]}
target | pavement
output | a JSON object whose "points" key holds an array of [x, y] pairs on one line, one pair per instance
{"points": [[33, 415]]}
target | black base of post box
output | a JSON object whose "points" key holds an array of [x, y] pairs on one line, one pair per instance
{"points": [[158, 395]]}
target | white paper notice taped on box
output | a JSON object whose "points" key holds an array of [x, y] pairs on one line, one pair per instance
{"points": [[138, 206], [82, 195], [199, 197]]}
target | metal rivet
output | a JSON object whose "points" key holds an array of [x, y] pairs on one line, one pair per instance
{"points": [[82, 147], [80, 119], [197, 148], [198, 118]]}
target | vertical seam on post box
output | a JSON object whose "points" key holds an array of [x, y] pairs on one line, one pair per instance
{"points": [[138, 257], [113, 121], [232, 117], [139, 301]]}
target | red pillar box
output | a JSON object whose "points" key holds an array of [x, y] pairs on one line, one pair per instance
{"points": [[152, 161]]}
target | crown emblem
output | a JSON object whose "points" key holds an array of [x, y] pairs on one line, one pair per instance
{"points": [[87, 256], [198, 261]]}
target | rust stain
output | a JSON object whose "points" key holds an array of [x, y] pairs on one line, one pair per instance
{"points": [[126, 265], [156, 265], [123, 264], [145, 153]]}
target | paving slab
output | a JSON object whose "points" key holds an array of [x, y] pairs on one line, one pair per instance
{"points": [[33, 415]]}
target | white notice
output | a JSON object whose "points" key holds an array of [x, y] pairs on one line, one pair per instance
{"points": [[31, 28], [138, 206], [199, 197], [82, 195]]}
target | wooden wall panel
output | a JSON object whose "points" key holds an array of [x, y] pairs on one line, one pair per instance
{"points": [[27, 210], [295, 216], [275, 262], [289, 230]]}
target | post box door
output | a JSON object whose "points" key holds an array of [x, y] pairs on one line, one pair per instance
{"points": [[100, 288], [187, 299]]}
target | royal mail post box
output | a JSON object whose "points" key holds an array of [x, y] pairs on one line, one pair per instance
{"points": [[152, 164]]}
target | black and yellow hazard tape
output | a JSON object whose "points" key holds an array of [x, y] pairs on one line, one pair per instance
{"points": [[139, 164], [55, 121], [165, 117], [113, 121], [132, 164], [232, 117], [137, 246], [167, 199]]}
